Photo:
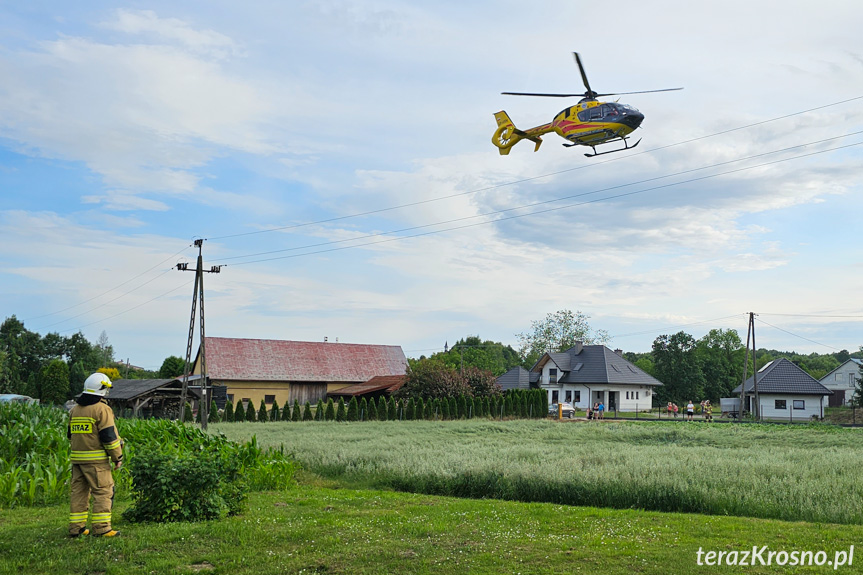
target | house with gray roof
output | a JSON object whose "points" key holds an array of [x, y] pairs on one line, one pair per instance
{"points": [[842, 381], [584, 375], [785, 391]]}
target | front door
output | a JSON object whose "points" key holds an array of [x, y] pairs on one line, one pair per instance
{"points": [[612, 401]]}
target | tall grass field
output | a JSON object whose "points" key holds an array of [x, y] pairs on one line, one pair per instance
{"points": [[808, 473]]}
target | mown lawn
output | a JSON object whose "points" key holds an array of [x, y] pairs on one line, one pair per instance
{"points": [[316, 528]]}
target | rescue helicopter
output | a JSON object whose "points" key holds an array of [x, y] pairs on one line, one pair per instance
{"points": [[588, 123]]}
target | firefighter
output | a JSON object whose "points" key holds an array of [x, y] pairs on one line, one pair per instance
{"points": [[95, 446]]}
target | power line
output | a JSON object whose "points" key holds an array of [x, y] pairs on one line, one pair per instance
{"points": [[813, 315], [125, 311], [646, 332], [104, 293], [545, 202], [532, 178], [799, 336], [517, 216]]}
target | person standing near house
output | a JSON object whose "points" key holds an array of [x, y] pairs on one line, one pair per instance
{"points": [[690, 410], [670, 409], [95, 445], [708, 410], [676, 409], [601, 410]]}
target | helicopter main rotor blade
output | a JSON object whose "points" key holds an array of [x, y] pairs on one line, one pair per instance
{"points": [[583, 75], [542, 95], [639, 92]]}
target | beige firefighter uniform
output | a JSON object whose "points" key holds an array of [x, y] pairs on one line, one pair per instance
{"points": [[95, 444]]}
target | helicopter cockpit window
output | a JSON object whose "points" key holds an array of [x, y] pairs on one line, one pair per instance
{"points": [[596, 113], [610, 110], [584, 115]]}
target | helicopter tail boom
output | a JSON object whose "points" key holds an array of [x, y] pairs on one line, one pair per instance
{"points": [[507, 135]]}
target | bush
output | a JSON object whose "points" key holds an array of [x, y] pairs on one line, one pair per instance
{"points": [[286, 411], [187, 412], [239, 413], [319, 410], [250, 412], [184, 487], [330, 414], [364, 409], [382, 408], [307, 411], [341, 412], [275, 412], [213, 415], [353, 413], [296, 415], [262, 412], [229, 411]]}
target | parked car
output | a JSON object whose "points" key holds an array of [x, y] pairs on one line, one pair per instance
{"points": [[568, 410], [15, 398]]}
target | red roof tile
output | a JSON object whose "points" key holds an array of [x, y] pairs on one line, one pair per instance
{"points": [[277, 360]]}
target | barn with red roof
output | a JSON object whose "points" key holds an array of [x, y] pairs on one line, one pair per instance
{"points": [[282, 371]]}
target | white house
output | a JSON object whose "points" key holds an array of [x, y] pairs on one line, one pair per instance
{"points": [[584, 375], [785, 392], [842, 381]]}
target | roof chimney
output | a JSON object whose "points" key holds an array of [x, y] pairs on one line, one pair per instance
{"points": [[325, 339], [579, 345], [619, 352]]}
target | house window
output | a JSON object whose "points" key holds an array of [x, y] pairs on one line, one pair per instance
{"points": [[627, 395], [799, 404], [554, 396], [851, 380], [838, 377], [568, 396], [552, 375], [636, 395], [577, 396], [781, 404], [269, 399]]}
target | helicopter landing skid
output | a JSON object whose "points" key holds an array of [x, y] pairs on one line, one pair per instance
{"points": [[626, 146]]}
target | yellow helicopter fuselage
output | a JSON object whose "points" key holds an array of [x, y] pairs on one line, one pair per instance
{"points": [[588, 123]]}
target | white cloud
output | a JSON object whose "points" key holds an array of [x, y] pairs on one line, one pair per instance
{"points": [[147, 22]]}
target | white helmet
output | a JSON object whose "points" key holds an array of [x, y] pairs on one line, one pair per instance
{"points": [[97, 384]]}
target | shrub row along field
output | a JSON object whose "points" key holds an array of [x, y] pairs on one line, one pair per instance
{"points": [[34, 455], [809, 473], [513, 403]]}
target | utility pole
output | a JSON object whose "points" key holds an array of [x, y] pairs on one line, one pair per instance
{"points": [[197, 294], [750, 336]]}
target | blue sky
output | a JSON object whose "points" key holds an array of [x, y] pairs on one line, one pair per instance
{"points": [[128, 129]]}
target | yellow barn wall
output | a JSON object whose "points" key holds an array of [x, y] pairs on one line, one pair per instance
{"points": [[256, 390]]}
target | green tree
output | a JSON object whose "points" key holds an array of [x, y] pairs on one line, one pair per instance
{"points": [[23, 349], [431, 378], [172, 367], [187, 413], [320, 411], [295, 416], [213, 415], [678, 367], [55, 382], [262, 412], [353, 413], [391, 409], [240, 413], [229, 411], [275, 412], [444, 408], [364, 409], [307, 412], [286, 411], [77, 377], [410, 409], [559, 331], [383, 408], [421, 412], [481, 383], [341, 412], [373, 410], [250, 412], [721, 355], [330, 414], [474, 352]]}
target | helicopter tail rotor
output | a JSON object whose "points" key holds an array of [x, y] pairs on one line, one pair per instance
{"points": [[507, 135]]}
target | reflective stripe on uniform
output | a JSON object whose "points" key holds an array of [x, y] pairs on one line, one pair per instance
{"points": [[100, 517], [112, 445], [88, 456], [78, 517]]}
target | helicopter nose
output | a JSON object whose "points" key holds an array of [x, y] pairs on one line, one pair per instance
{"points": [[632, 119]]}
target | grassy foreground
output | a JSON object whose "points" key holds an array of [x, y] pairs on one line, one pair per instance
{"points": [[318, 529], [801, 473]]}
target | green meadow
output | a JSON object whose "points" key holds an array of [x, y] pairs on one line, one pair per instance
{"points": [[800, 473]]}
